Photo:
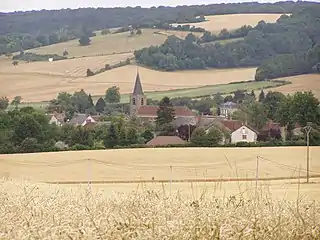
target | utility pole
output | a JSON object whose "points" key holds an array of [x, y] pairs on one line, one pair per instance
{"points": [[257, 174], [308, 130], [170, 180]]}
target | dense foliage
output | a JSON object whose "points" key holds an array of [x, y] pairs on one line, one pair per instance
{"points": [[292, 41], [26, 30]]}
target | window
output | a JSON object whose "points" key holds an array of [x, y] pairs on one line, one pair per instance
{"points": [[244, 137], [142, 101], [133, 101]]}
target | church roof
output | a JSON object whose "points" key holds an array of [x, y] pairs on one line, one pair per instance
{"points": [[138, 86]]}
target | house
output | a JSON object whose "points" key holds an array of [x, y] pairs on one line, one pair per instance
{"points": [[57, 118], [140, 109], [228, 108], [165, 140], [244, 134], [81, 120]]}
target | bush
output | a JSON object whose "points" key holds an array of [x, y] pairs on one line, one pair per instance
{"points": [[89, 72]]}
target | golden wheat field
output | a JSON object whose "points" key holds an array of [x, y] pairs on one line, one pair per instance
{"points": [[308, 82], [233, 21], [135, 164], [286, 209], [105, 44], [38, 211], [71, 67], [35, 87]]}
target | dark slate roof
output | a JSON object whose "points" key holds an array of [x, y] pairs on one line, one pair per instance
{"points": [[137, 86], [78, 119]]}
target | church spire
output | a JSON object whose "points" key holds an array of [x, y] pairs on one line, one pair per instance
{"points": [[137, 86]]}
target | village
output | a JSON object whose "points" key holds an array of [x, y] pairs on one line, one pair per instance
{"points": [[237, 131]]}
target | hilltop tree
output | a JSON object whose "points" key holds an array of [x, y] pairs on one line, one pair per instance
{"points": [[84, 40], [112, 95]]}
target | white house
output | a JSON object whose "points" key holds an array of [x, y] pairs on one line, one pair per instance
{"points": [[244, 134], [57, 119]]}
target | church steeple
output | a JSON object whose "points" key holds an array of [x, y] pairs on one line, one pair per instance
{"points": [[138, 86], [137, 98]]}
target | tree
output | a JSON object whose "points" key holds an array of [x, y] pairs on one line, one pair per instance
{"points": [[26, 127], [198, 137], [112, 95], [65, 53], [80, 100], [16, 101], [147, 135], [139, 32], [257, 115], [218, 99], [112, 138], [253, 94], [214, 136], [261, 96], [84, 40], [100, 105], [165, 113], [90, 101], [304, 108], [4, 103], [272, 103], [89, 72], [132, 135]]}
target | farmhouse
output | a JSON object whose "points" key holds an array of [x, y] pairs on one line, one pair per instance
{"points": [[140, 108], [82, 120], [57, 118]]}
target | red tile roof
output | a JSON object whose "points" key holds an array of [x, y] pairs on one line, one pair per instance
{"points": [[165, 140], [232, 125], [152, 111]]}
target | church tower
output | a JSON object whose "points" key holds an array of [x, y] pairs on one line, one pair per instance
{"points": [[137, 98]]}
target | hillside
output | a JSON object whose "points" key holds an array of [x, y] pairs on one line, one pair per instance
{"points": [[105, 44], [35, 87], [291, 46], [26, 30]]}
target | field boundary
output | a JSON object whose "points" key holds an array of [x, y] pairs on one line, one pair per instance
{"points": [[182, 180]]}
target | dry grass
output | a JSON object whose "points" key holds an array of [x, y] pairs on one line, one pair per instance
{"points": [[72, 67], [41, 87], [135, 164], [38, 211], [105, 44], [234, 21]]}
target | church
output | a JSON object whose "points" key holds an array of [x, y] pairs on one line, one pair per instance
{"points": [[140, 108]]}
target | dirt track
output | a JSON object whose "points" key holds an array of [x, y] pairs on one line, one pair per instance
{"points": [[185, 180]]}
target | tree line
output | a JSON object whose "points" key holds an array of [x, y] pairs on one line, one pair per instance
{"points": [[26, 30], [293, 40]]}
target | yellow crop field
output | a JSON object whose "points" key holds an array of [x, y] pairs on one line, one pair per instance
{"points": [[233, 21], [145, 164], [71, 67], [154, 210], [105, 44], [35, 87], [307, 82]]}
